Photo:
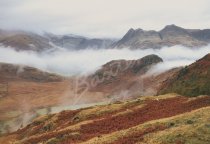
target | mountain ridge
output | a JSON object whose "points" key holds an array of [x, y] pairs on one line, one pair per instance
{"points": [[170, 35], [29, 41]]}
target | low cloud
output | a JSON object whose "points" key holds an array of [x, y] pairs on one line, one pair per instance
{"points": [[67, 62]]}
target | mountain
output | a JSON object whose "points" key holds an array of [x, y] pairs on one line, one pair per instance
{"points": [[154, 119], [169, 36], [193, 80], [22, 40], [78, 42], [124, 79]]}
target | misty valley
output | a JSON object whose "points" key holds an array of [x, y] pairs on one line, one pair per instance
{"points": [[74, 72]]}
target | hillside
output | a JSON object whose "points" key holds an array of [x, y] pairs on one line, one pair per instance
{"points": [[170, 35], [163, 119], [25, 91], [28, 93], [124, 79], [193, 80]]}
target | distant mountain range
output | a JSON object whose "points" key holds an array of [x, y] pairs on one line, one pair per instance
{"points": [[78, 42], [22, 40], [169, 36]]}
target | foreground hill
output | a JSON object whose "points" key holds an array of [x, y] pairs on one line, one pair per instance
{"points": [[169, 36], [162, 119], [193, 80]]}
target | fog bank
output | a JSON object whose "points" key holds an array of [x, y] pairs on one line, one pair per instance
{"points": [[67, 62]]}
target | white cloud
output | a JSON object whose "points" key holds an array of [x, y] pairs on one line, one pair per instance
{"points": [[103, 18], [86, 61]]}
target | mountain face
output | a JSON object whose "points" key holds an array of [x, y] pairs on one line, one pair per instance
{"points": [[193, 80], [171, 35]]}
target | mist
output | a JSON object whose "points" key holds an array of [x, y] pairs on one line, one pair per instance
{"points": [[78, 62]]}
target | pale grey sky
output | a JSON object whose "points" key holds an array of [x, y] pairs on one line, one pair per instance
{"points": [[102, 18]]}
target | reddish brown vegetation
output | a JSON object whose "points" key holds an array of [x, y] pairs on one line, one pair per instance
{"points": [[110, 122], [136, 137], [152, 111]]}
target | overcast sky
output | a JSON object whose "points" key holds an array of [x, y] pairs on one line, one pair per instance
{"points": [[102, 18]]}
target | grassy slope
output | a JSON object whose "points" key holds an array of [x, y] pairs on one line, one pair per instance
{"points": [[164, 119], [192, 80]]}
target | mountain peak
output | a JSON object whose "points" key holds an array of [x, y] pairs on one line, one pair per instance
{"points": [[132, 31], [172, 27]]}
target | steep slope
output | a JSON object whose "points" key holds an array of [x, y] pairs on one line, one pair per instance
{"points": [[169, 36], [162, 119], [193, 80]]}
